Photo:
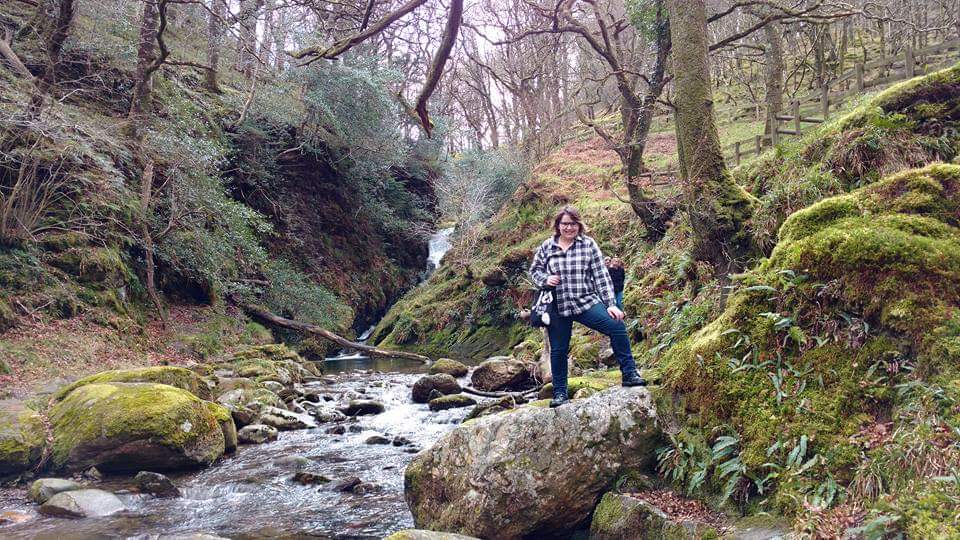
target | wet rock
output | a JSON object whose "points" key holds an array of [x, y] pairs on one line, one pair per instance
{"points": [[295, 463], [227, 384], [284, 420], [377, 439], [624, 517], [83, 503], [151, 426], [501, 373], [92, 474], [22, 438], [155, 484], [346, 484], [43, 489], [450, 367], [324, 414], [443, 383], [451, 402], [355, 429], [412, 450], [489, 408], [483, 474], [257, 434], [359, 407], [297, 408], [337, 430], [274, 387], [418, 534], [401, 441], [366, 487], [309, 478]]}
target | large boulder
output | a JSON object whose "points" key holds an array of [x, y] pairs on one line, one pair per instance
{"points": [[441, 382], [501, 373], [450, 367], [535, 471], [22, 438], [179, 377], [257, 434], [83, 503], [135, 426]]}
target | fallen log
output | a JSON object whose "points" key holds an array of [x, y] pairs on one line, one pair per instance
{"points": [[270, 318]]}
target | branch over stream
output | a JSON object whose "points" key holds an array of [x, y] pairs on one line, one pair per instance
{"points": [[270, 318]]}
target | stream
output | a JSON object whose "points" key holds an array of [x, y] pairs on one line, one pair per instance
{"points": [[250, 495]]}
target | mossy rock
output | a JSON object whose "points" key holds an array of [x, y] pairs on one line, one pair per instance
{"points": [[454, 401], [22, 438], [179, 377], [418, 534], [596, 381], [621, 516], [92, 265], [273, 351], [450, 367], [135, 426]]}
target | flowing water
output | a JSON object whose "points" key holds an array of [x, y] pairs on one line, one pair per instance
{"points": [[248, 495]]}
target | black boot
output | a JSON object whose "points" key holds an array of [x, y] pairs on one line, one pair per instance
{"points": [[559, 398], [633, 379]]}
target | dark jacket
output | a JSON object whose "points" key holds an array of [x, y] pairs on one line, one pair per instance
{"points": [[617, 275]]}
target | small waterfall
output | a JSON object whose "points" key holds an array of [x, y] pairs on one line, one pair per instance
{"points": [[439, 245]]}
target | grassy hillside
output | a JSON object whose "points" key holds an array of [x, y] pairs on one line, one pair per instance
{"points": [[262, 209]]}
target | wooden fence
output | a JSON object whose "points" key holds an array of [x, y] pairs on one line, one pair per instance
{"points": [[854, 82]]}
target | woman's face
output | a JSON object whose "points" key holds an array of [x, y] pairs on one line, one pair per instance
{"points": [[569, 229]]}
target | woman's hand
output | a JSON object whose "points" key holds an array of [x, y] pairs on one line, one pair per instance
{"points": [[553, 281], [615, 313]]}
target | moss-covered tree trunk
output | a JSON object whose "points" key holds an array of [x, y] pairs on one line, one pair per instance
{"points": [[717, 207], [773, 72]]}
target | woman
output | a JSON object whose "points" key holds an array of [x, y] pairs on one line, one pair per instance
{"points": [[571, 262]]}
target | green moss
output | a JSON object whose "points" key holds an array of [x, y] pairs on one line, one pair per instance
{"points": [[607, 514], [178, 377], [597, 381], [22, 438], [95, 416]]}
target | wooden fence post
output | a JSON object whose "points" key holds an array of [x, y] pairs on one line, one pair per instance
{"points": [[774, 130], [858, 70], [758, 140], [908, 62], [825, 101], [796, 116], [736, 151]]}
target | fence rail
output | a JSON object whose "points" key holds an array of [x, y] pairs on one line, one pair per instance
{"points": [[855, 81]]}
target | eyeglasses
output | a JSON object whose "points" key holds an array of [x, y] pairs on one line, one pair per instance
{"points": [[569, 224]]}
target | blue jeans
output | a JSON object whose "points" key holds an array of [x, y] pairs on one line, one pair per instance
{"points": [[598, 319], [619, 297]]}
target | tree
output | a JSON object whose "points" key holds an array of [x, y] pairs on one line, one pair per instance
{"points": [[717, 207], [216, 15]]}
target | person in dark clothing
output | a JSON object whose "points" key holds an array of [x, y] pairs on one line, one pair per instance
{"points": [[617, 275], [572, 263]]}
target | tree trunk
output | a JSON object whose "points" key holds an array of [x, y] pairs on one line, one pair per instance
{"points": [[146, 55], [247, 47], [279, 38], [264, 315], [59, 35], [717, 207], [146, 194], [214, 35], [773, 71]]}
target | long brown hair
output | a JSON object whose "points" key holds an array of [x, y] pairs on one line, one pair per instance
{"points": [[574, 215]]}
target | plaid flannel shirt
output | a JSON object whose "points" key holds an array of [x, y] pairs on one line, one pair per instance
{"points": [[584, 280]]}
